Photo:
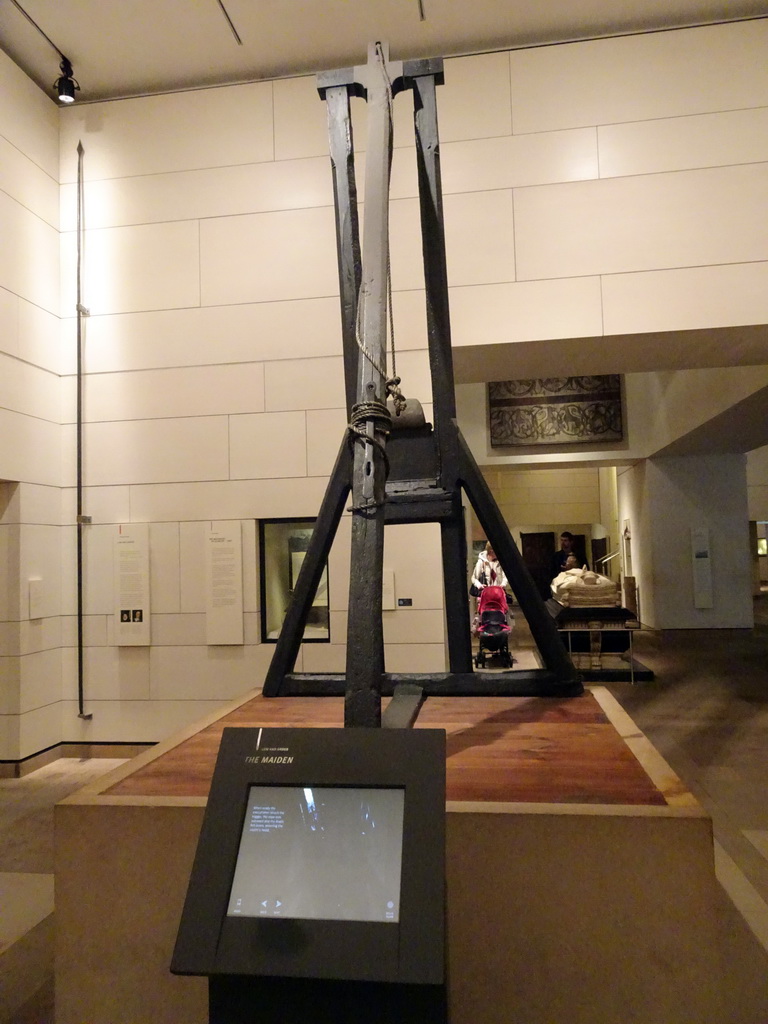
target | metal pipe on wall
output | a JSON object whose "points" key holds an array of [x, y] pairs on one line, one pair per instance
{"points": [[82, 520]]}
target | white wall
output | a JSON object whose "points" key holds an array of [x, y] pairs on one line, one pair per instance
{"points": [[546, 499], [30, 364], [757, 484], [634, 512], [609, 520], [599, 189], [685, 399], [663, 499], [637, 175]]}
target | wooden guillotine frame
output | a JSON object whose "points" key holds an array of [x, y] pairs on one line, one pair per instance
{"points": [[409, 473]]}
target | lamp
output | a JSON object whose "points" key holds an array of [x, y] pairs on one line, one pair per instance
{"points": [[66, 86]]}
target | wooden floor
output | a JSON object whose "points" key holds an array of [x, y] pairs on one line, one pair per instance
{"points": [[508, 749]]}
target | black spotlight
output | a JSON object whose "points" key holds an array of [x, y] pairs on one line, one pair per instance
{"points": [[66, 86]]}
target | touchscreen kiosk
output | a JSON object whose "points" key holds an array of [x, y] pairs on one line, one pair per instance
{"points": [[321, 859], [320, 853]]}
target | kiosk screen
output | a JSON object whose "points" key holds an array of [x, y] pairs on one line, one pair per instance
{"points": [[329, 853]]}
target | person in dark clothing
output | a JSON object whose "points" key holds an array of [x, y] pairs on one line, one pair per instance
{"points": [[560, 557]]}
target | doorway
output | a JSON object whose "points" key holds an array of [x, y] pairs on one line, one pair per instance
{"points": [[537, 550], [580, 549]]}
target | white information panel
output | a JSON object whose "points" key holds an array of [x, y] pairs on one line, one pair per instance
{"points": [[224, 583], [387, 589], [702, 568], [131, 585]]}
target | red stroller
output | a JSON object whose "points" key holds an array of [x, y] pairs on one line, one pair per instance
{"points": [[493, 629]]}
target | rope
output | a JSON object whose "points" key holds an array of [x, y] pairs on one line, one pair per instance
{"points": [[382, 424], [393, 382], [362, 414]]}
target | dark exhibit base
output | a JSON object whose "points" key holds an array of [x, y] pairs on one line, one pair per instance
{"points": [[600, 642], [243, 1000], [522, 683]]}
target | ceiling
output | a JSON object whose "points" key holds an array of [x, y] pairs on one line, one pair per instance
{"points": [[135, 47]]}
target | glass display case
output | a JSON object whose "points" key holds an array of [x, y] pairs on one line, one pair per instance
{"points": [[283, 545]]}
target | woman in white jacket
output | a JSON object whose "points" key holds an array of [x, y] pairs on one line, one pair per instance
{"points": [[488, 571]]}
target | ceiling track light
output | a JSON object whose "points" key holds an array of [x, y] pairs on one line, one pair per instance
{"points": [[66, 86]]}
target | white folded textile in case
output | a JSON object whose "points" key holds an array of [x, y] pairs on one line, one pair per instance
{"points": [[586, 588]]}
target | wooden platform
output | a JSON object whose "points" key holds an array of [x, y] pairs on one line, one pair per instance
{"points": [[513, 749]]}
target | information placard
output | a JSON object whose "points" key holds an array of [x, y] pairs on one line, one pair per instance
{"points": [[387, 590], [131, 585], [702, 568], [224, 583]]}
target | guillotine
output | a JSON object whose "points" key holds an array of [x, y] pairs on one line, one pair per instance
{"points": [[398, 468]]}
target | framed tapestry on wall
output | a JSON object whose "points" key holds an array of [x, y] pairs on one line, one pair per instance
{"points": [[555, 410]]}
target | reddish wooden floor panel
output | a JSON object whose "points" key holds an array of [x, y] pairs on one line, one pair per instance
{"points": [[533, 750]]}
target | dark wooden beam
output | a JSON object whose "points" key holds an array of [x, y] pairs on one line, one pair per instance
{"points": [[453, 539], [365, 630], [347, 227], [435, 267], [530, 683], [310, 574], [403, 709]]}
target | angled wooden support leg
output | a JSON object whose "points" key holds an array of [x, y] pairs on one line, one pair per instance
{"points": [[435, 264], [454, 544], [541, 623], [331, 510]]}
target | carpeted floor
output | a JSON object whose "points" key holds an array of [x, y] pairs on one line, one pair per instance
{"points": [[706, 712]]}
